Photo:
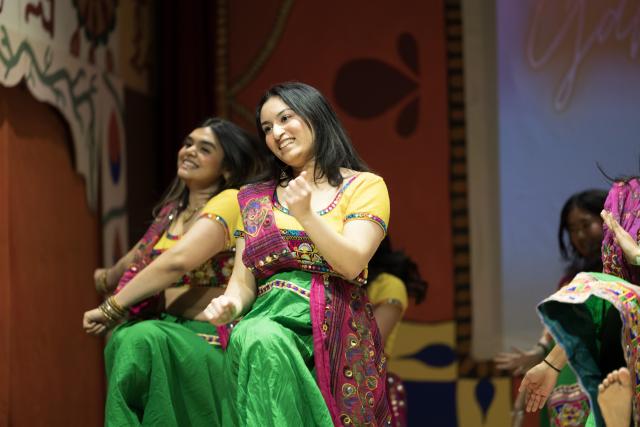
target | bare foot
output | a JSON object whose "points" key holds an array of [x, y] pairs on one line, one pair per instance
{"points": [[614, 398]]}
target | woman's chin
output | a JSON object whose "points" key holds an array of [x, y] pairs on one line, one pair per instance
{"points": [[185, 177], [183, 173]]}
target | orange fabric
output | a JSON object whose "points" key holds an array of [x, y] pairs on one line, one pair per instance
{"points": [[53, 247], [5, 315]]}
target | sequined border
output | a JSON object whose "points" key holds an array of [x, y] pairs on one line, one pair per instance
{"points": [[368, 217], [321, 267], [219, 219], [332, 205], [210, 339], [172, 236], [287, 286]]}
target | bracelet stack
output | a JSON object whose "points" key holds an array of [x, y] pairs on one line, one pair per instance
{"points": [[113, 311]]}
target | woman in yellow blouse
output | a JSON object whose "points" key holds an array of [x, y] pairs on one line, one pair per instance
{"points": [[393, 279], [163, 365], [307, 351]]}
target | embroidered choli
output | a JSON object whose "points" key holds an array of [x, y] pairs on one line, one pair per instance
{"points": [[348, 353], [216, 271], [363, 196]]}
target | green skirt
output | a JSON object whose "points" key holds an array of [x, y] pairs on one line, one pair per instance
{"points": [[163, 372], [269, 379], [588, 327]]}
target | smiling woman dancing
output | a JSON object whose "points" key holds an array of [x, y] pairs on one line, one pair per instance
{"points": [[308, 351], [167, 370]]}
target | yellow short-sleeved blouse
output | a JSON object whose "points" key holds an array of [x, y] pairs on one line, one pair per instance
{"points": [[224, 209], [363, 196]]}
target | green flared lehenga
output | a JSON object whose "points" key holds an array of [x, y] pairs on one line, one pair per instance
{"points": [[589, 317], [596, 317], [164, 370], [278, 328], [308, 353]]}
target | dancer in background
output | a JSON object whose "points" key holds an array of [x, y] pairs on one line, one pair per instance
{"points": [[393, 278], [579, 238], [164, 364], [588, 316]]}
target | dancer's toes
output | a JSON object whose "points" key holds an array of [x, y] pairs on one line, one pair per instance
{"points": [[624, 377], [614, 398]]}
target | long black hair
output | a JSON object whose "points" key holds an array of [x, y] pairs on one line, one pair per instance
{"points": [[332, 147], [591, 201], [397, 263], [244, 158]]}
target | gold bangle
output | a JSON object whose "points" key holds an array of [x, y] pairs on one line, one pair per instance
{"points": [[113, 311], [113, 304], [107, 313]]}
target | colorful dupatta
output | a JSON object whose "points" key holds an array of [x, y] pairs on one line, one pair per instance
{"points": [[143, 256], [623, 201], [573, 317], [348, 354], [209, 273], [574, 313]]}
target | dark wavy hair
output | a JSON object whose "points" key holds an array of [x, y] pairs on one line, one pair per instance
{"points": [[397, 263], [332, 147], [591, 201], [244, 159]]}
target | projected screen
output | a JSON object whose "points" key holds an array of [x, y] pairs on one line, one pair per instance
{"points": [[569, 96]]}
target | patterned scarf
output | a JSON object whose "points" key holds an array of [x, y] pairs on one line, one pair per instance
{"points": [[623, 201], [348, 353], [144, 251]]}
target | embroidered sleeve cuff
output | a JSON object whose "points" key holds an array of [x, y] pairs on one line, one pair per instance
{"points": [[221, 221], [367, 217]]}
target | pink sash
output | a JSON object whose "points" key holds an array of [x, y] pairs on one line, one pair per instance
{"points": [[349, 357]]}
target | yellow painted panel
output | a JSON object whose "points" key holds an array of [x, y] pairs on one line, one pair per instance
{"points": [[414, 370], [413, 337], [469, 411]]}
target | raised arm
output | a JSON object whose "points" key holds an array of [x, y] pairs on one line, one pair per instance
{"points": [[627, 243], [349, 252]]}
